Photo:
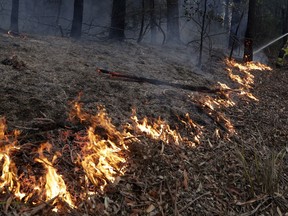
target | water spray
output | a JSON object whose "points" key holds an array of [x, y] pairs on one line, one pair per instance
{"points": [[268, 44]]}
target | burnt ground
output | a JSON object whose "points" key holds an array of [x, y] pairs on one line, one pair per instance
{"points": [[225, 174]]}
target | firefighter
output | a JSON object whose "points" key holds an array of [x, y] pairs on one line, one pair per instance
{"points": [[282, 54]]}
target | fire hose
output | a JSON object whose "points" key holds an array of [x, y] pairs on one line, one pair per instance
{"points": [[158, 82]]}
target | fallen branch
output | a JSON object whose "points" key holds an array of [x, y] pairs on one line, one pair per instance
{"points": [[158, 82]]}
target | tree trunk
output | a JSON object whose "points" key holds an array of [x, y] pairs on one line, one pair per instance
{"points": [[76, 29], [173, 34], [140, 37], [58, 11], [118, 20], [14, 16], [226, 16], [235, 20], [58, 18], [202, 33], [285, 22], [152, 21], [249, 34]]}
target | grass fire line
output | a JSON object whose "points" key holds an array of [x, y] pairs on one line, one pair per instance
{"points": [[102, 147]]}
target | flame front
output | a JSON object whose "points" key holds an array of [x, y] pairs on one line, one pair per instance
{"points": [[101, 150], [102, 154], [9, 170], [161, 130], [54, 183], [212, 105], [245, 78]]}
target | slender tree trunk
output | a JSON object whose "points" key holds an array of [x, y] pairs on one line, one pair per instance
{"points": [[173, 34], [226, 17], [14, 16], [58, 18], [202, 33], [153, 22], [142, 22], [285, 22], [236, 19], [58, 11], [76, 29], [249, 34], [117, 29]]}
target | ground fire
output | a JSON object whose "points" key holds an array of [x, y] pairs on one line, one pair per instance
{"points": [[98, 154]]}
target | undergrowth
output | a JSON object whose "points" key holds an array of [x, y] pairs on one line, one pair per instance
{"points": [[263, 171]]}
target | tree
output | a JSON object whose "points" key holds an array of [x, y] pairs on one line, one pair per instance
{"points": [[14, 27], [173, 34], [285, 21], [141, 33], [201, 14], [202, 32], [236, 19], [249, 34], [77, 19], [117, 28], [152, 21], [226, 17]]}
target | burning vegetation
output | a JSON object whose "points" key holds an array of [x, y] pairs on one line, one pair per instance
{"points": [[100, 154], [134, 149]]}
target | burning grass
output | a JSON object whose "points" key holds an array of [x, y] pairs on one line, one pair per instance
{"points": [[100, 153], [176, 155]]}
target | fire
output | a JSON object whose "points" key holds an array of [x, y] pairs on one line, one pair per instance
{"points": [[192, 126], [102, 154], [248, 66], [9, 177], [244, 78], [161, 130], [211, 106], [55, 186], [100, 151]]}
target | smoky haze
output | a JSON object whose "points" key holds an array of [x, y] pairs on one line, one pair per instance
{"points": [[48, 16], [53, 16]]}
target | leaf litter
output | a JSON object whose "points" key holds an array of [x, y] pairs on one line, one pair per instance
{"points": [[201, 173]]}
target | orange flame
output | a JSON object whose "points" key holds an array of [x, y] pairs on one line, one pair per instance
{"points": [[55, 185], [245, 78], [9, 171], [102, 154], [161, 130], [211, 106]]}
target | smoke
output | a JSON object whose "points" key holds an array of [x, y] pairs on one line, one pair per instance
{"points": [[54, 17], [49, 17]]}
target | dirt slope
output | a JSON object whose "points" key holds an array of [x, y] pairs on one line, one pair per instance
{"points": [[40, 76]]}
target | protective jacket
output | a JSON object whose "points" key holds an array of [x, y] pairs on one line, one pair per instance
{"points": [[282, 54]]}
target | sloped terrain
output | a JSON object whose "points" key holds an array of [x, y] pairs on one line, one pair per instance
{"points": [[218, 165]]}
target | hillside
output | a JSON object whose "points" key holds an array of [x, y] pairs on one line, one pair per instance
{"points": [[113, 146]]}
